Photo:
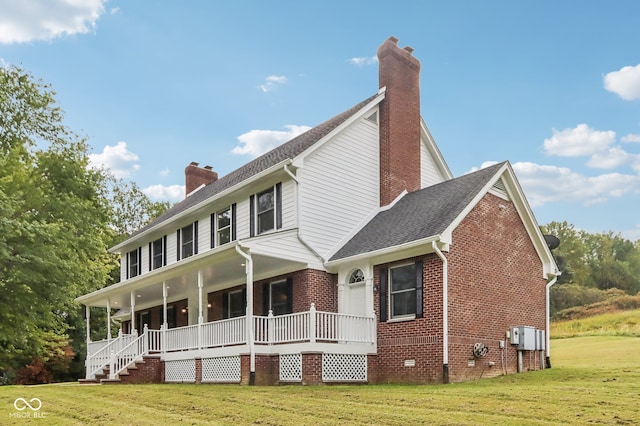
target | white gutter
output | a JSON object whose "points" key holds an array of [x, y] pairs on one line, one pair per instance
{"points": [[547, 325], [298, 213], [445, 311], [249, 313]]}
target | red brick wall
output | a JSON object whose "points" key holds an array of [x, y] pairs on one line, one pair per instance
{"points": [[312, 368], [419, 339], [399, 71], [151, 370], [495, 282]]}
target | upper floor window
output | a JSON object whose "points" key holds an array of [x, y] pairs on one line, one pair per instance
{"points": [[266, 210], [278, 297], [158, 253], [223, 226], [402, 288], [134, 263], [188, 240]]}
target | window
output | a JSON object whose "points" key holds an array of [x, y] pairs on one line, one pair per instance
{"points": [[401, 288], [158, 253], [143, 318], [356, 276], [188, 241], [223, 226], [278, 297], [234, 303], [266, 210], [134, 263]]}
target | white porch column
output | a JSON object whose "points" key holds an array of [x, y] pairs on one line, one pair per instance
{"points": [[88, 315], [133, 311], [368, 297], [249, 314], [164, 315], [108, 320], [342, 304], [200, 317]]}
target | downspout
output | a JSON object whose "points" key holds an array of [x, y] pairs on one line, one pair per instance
{"points": [[445, 312], [249, 313], [298, 214], [547, 325]]}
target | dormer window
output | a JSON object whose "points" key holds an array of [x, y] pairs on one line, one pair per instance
{"points": [[188, 240], [266, 210]]}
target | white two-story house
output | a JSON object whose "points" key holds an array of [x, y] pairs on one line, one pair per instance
{"points": [[348, 254]]}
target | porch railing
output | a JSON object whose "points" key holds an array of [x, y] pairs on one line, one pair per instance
{"points": [[98, 360]]}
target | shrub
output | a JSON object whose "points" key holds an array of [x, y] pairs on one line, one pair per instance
{"points": [[34, 373]]}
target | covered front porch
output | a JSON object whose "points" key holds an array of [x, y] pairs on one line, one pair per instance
{"points": [[187, 316]]}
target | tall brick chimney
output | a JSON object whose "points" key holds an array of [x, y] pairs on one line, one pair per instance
{"points": [[399, 71], [196, 176]]}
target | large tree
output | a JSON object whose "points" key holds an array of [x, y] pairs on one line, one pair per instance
{"points": [[54, 223]]}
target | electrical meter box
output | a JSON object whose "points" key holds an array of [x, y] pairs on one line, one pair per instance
{"points": [[527, 340], [515, 335]]}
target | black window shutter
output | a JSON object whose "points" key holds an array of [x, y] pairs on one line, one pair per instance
{"points": [[150, 258], [127, 265], [278, 205], [164, 251], [225, 305], [252, 216], [289, 295], [213, 230], [419, 289], [140, 260], [265, 299], [233, 222], [383, 294], [179, 246], [195, 237]]}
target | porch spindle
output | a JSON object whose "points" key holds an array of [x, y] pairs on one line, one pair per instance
{"points": [[312, 323]]}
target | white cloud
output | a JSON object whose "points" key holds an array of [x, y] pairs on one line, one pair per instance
{"points": [[580, 141], [118, 159], [612, 158], [272, 82], [632, 234], [257, 142], [630, 138], [625, 82], [544, 184], [363, 60], [25, 21], [164, 172], [165, 193]]}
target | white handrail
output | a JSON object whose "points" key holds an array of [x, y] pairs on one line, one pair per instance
{"points": [[133, 351], [97, 361]]}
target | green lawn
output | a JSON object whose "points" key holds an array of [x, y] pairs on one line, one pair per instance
{"points": [[593, 380]]}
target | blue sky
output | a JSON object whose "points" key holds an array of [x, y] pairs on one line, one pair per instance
{"points": [[551, 86]]}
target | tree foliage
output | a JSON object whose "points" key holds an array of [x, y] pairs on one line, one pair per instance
{"points": [[57, 218], [591, 264]]}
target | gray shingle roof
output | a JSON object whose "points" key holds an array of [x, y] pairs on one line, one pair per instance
{"points": [[288, 150], [418, 215]]}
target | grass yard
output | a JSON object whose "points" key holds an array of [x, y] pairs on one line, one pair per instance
{"points": [[593, 380]]}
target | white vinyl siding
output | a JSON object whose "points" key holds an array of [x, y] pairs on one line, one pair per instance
{"points": [[339, 185], [429, 173]]}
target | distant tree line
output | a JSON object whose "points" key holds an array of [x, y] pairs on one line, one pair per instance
{"points": [[593, 266]]}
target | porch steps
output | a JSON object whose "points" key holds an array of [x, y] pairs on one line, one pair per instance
{"points": [[147, 370]]}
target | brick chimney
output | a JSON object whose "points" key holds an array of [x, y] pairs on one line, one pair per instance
{"points": [[196, 176], [399, 71]]}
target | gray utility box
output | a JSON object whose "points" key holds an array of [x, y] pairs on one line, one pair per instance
{"points": [[527, 338]]}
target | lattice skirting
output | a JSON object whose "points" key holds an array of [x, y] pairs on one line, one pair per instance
{"points": [[182, 371], [224, 369], [344, 368], [291, 368]]}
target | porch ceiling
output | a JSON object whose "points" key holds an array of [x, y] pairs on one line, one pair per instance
{"points": [[219, 271]]}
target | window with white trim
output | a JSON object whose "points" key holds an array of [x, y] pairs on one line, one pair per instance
{"points": [[234, 303], [187, 240], [134, 263], [158, 253], [278, 297], [266, 210], [402, 290]]}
